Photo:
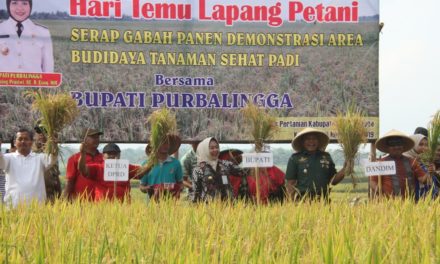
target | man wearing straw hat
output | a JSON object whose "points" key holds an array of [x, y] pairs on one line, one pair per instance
{"points": [[311, 170], [395, 143], [77, 185]]}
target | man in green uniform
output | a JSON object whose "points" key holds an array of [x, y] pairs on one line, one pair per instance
{"points": [[311, 170]]}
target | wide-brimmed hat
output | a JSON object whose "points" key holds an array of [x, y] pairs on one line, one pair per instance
{"points": [[197, 138], [298, 141], [231, 155], [382, 142], [87, 132]]}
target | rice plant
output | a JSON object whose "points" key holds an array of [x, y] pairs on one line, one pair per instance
{"points": [[351, 133], [163, 130], [392, 231], [261, 125], [433, 138], [56, 112]]}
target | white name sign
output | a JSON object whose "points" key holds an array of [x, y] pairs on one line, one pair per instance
{"points": [[116, 170], [380, 168], [261, 160]]}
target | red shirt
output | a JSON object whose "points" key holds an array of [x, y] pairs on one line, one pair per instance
{"points": [[106, 189], [84, 187], [387, 180], [270, 180]]}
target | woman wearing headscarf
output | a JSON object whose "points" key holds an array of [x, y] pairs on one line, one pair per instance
{"points": [[210, 176], [420, 147]]}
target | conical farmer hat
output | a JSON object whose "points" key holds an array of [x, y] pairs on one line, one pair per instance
{"points": [[381, 143], [298, 141]]}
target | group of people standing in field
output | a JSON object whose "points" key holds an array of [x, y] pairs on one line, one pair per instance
{"points": [[208, 173]]}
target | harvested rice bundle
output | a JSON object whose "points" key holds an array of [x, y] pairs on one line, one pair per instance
{"points": [[351, 133], [163, 130], [261, 125], [433, 138], [56, 112]]}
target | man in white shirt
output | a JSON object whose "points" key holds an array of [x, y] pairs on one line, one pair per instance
{"points": [[25, 171]]}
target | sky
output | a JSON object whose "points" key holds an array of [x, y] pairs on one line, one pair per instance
{"points": [[409, 63]]}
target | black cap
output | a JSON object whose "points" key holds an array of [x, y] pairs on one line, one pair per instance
{"points": [[111, 147], [90, 132], [39, 129], [421, 130]]}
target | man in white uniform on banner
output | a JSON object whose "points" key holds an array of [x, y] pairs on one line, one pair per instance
{"points": [[24, 45]]}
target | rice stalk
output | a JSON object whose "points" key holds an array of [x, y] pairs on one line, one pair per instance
{"points": [[433, 139], [351, 133], [261, 125], [56, 112], [163, 128], [181, 232]]}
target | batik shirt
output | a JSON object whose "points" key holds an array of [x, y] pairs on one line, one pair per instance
{"points": [[210, 183]]}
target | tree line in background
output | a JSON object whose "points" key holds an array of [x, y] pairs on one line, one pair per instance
{"points": [[136, 155]]}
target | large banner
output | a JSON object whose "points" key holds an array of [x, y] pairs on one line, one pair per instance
{"points": [[206, 59]]}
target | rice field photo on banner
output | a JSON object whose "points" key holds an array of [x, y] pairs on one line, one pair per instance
{"points": [[121, 60]]}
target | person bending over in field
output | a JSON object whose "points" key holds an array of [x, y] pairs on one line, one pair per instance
{"points": [[106, 190], [311, 170], [408, 171], [271, 180]]}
